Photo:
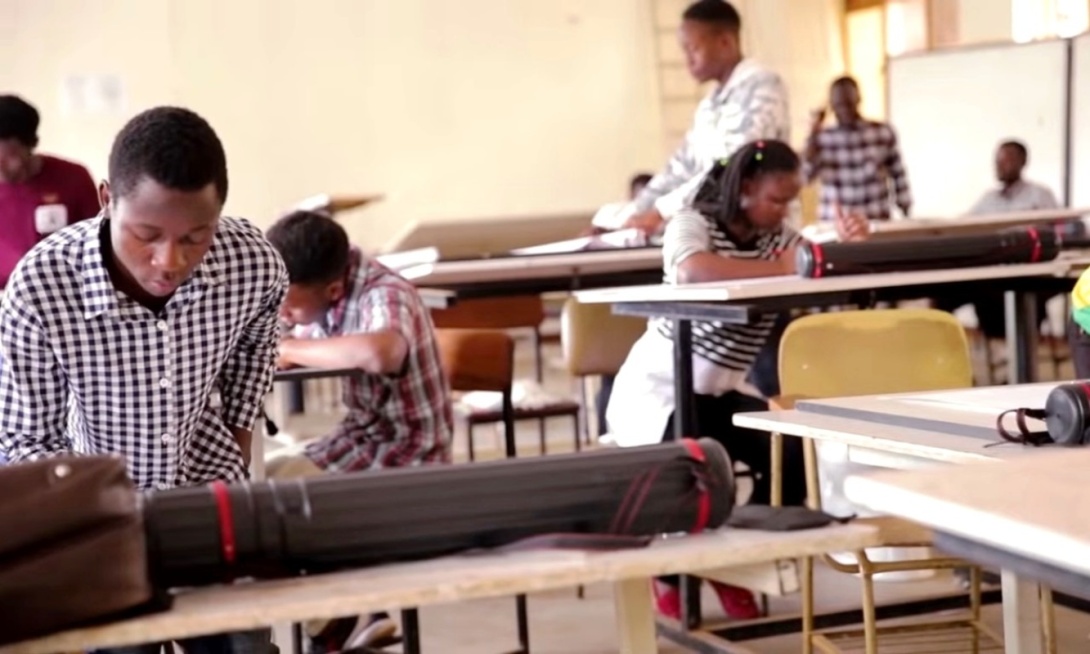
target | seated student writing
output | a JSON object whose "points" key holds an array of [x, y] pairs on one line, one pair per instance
{"points": [[350, 311], [734, 230], [149, 331]]}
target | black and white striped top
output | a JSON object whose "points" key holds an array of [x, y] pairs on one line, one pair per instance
{"points": [[731, 346]]}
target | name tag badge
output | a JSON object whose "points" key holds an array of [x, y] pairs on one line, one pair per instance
{"points": [[48, 218]]}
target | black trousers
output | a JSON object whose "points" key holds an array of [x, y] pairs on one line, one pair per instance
{"points": [[1079, 341], [715, 419]]}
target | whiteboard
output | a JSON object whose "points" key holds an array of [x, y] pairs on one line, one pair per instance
{"points": [[1080, 130], [952, 108]]}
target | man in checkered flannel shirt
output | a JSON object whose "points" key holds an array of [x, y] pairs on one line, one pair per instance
{"points": [[149, 331], [348, 310], [857, 160]]}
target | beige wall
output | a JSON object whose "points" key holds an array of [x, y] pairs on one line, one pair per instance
{"points": [[452, 109], [984, 21]]}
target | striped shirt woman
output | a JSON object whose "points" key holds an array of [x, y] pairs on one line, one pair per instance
{"points": [[733, 230]]}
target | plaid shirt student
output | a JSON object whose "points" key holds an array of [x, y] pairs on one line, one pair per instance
{"points": [[856, 164], [393, 420], [88, 370]]}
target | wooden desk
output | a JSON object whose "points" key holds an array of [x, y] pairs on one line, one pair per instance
{"points": [[539, 273], [451, 579], [969, 413], [1026, 517], [943, 427], [741, 301], [976, 224], [866, 436]]}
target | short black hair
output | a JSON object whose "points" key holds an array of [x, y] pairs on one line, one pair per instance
{"points": [[171, 146], [846, 80], [718, 13], [314, 247], [1018, 147], [640, 179], [19, 120]]}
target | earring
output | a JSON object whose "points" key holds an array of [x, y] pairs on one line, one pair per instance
{"points": [[744, 202]]}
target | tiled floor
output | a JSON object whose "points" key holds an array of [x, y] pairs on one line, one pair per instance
{"points": [[563, 624]]}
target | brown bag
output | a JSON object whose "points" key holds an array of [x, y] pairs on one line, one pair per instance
{"points": [[72, 548]]}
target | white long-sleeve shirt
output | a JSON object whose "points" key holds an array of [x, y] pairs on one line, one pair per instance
{"points": [[751, 105]]}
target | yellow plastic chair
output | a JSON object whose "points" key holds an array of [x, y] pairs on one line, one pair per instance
{"points": [[595, 342], [849, 353]]}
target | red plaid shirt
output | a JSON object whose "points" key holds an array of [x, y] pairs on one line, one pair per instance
{"points": [[393, 420]]}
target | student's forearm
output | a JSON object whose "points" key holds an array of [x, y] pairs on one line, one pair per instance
{"points": [[708, 267], [379, 353]]}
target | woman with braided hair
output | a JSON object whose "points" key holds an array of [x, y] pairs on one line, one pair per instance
{"points": [[734, 229]]}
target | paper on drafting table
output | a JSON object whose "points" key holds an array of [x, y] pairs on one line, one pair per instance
{"points": [[625, 238]]}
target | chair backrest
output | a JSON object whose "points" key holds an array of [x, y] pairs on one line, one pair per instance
{"points": [[492, 313], [596, 341], [477, 359], [870, 352]]}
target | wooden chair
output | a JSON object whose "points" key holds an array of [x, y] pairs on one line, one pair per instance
{"points": [[595, 342], [861, 353], [484, 360], [507, 313]]}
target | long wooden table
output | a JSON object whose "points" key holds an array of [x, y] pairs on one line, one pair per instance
{"points": [[456, 578], [1025, 517]]}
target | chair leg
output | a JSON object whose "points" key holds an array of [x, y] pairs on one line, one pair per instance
{"points": [[541, 436], [975, 575], [807, 605], [584, 409], [469, 441], [523, 624], [776, 473], [410, 629], [1048, 620], [578, 436], [870, 618]]}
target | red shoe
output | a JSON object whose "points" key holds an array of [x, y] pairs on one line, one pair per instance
{"points": [[737, 603], [667, 600]]}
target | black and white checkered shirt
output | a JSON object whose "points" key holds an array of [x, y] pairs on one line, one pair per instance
{"points": [[857, 165], [88, 370]]}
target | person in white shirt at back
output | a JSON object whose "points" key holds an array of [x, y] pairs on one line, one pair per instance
{"points": [[749, 102], [1014, 194]]}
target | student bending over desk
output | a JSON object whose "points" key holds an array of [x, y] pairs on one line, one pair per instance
{"points": [[351, 311], [150, 331], [735, 229]]}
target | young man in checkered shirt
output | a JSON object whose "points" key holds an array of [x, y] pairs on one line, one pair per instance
{"points": [[857, 160], [149, 331], [350, 311]]}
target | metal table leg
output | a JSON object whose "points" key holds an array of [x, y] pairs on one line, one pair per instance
{"points": [[1022, 336], [685, 425]]}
